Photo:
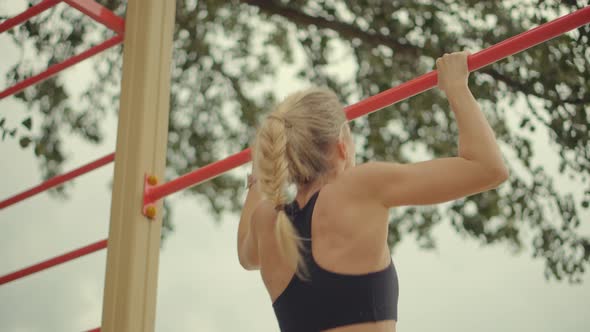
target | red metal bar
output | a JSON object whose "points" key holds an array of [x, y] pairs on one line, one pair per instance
{"points": [[55, 181], [54, 261], [389, 97], [193, 178], [476, 61], [95, 330], [27, 14], [100, 14], [61, 66]]}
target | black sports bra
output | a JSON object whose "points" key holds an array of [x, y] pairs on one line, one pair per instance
{"points": [[328, 300]]}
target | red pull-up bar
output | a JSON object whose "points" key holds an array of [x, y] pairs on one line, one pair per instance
{"points": [[389, 97]]}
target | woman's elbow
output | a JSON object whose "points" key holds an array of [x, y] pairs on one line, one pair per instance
{"points": [[243, 262], [246, 262], [241, 257], [247, 265], [499, 175]]}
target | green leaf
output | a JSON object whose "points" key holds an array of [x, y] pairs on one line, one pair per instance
{"points": [[28, 123], [25, 141], [38, 149]]}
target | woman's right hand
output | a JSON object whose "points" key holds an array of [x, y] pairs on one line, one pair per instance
{"points": [[452, 70]]}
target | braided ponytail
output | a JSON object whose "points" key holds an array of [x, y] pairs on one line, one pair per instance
{"points": [[272, 176]]}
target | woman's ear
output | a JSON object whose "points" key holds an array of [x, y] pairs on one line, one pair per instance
{"points": [[342, 150], [342, 143]]}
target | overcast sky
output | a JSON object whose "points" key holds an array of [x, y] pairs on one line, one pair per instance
{"points": [[460, 286]]}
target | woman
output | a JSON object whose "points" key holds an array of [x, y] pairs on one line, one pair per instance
{"points": [[324, 257]]}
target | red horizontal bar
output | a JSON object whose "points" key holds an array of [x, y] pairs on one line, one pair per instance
{"points": [[27, 14], [57, 180], [100, 14], [196, 177], [475, 61], [61, 66], [54, 261], [95, 330], [389, 97]]}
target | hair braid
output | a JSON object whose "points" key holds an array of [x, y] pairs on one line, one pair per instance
{"points": [[273, 177]]}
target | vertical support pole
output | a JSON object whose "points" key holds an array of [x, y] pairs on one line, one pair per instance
{"points": [[134, 240]]}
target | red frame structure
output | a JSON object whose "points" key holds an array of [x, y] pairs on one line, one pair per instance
{"points": [[88, 7], [99, 14], [51, 71], [57, 180], [53, 261], [27, 14], [152, 192], [113, 22]]}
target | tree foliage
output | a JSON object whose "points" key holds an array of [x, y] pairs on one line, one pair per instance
{"points": [[228, 54]]}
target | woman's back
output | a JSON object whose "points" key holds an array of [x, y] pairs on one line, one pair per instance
{"points": [[349, 247]]}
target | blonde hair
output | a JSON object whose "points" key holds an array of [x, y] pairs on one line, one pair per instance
{"points": [[293, 146]]}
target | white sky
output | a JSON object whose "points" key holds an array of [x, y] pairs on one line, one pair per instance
{"points": [[459, 287]]}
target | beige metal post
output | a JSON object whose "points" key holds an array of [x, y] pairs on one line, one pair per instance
{"points": [[134, 241]]}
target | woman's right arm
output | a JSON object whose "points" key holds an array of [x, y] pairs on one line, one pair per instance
{"points": [[477, 168]]}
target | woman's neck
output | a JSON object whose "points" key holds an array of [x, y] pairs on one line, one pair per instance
{"points": [[304, 192]]}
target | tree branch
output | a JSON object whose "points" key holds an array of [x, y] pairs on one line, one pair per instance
{"points": [[349, 31], [526, 88], [345, 30]]}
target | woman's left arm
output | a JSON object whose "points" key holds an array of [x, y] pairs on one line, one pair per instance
{"points": [[247, 234]]}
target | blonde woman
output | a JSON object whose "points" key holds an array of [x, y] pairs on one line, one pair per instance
{"points": [[324, 257]]}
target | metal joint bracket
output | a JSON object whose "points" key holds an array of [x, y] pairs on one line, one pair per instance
{"points": [[149, 207]]}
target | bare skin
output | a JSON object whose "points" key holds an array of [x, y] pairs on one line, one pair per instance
{"points": [[349, 222]]}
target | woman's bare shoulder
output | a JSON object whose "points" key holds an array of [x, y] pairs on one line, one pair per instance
{"points": [[356, 184], [360, 178]]}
